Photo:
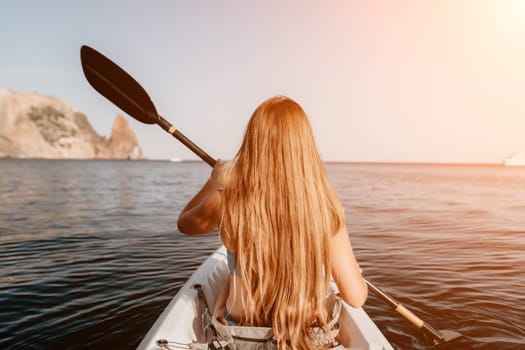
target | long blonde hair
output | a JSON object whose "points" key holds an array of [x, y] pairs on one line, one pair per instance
{"points": [[278, 213]]}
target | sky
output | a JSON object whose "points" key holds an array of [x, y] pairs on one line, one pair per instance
{"points": [[439, 81]]}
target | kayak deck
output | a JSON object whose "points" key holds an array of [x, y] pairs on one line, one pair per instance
{"points": [[179, 323]]}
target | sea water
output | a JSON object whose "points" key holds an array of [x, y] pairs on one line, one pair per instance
{"points": [[90, 253]]}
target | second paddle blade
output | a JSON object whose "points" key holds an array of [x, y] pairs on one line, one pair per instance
{"points": [[117, 86]]}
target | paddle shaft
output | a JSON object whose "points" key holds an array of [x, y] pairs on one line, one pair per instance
{"points": [[169, 128], [438, 338], [406, 313]]}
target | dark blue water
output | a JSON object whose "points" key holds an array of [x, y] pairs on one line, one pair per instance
{"points": [[90, 254]]}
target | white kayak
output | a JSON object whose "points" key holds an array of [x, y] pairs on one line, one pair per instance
{"points": [[179, 325]]}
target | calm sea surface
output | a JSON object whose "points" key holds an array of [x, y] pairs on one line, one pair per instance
{"points": [[90, 254]]}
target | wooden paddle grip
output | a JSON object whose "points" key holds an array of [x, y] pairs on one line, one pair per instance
{"points": [[406, 313]]}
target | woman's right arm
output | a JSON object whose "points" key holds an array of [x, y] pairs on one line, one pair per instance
{"points": [[200, 215], [346, 271]]}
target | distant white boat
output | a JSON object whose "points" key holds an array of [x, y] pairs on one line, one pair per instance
{"points": [[175, 159], [515, 159]]}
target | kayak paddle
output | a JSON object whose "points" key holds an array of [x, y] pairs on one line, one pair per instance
{"points": [[119, 87]]}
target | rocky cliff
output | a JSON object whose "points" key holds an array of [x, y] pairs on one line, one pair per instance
{"points": [[37, 126]]}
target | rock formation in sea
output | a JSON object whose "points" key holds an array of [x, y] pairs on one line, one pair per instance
{"points": [[38, 126]]}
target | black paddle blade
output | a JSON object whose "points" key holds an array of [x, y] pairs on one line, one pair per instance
{"points": [[117, 86], [443, 338], [449, 337]]}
